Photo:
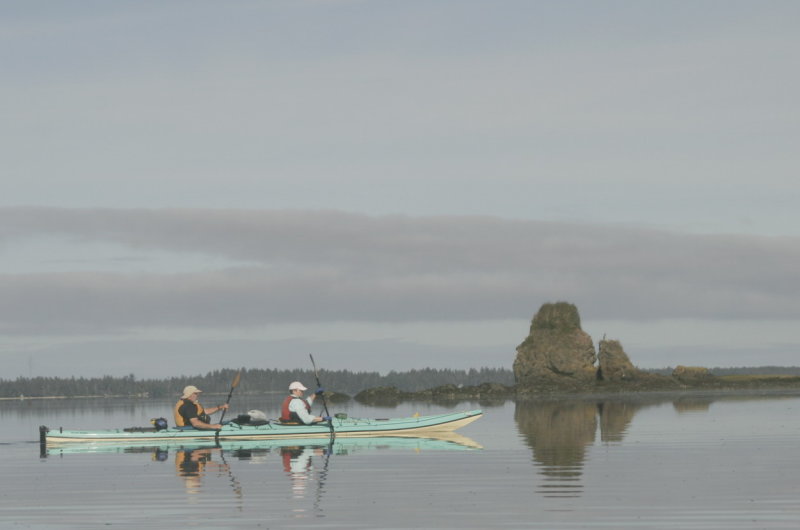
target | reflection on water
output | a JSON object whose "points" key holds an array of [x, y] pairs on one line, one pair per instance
{"points": [[559, 433], [615, 417], [304, 463], [193, 464], [633, 462], [298, 466], [692, 404]]}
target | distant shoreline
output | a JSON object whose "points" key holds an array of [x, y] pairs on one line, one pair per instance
{"points": [[694, 392], [124, 396], [28, 398], [714, 386]]}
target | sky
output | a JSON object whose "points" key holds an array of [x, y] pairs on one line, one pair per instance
{"points": [[194, 185]]}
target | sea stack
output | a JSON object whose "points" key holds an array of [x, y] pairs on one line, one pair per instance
{"points": [[557, 352], [613, 362]]}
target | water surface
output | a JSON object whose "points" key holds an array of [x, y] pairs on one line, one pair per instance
{"points": [[704, 462]]}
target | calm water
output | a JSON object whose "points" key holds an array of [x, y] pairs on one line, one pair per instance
{"points": [[656, 463]]}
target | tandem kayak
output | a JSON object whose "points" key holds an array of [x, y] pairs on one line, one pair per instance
{"points": [[441, 441], [340, 427]]}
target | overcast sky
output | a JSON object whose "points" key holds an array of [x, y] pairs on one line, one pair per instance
{"points": [[193, 185]]}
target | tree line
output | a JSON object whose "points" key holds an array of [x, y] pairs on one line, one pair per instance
{"points": [[253, 381], [259, 381]]}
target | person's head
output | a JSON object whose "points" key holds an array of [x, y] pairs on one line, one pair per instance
{"points": [[191, 392], [297, 388]]}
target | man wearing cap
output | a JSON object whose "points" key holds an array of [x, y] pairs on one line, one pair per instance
{"points": [[295, 409], [189, 412]]}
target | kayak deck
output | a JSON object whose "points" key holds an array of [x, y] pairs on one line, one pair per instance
{"points": [[342, 427]]}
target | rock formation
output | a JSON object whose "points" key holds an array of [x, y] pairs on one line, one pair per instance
{"points": [[691, 374], [613, 362], [556, 352]]}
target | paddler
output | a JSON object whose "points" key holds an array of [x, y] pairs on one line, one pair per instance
{"points": [[189, 412], [296, 409]]}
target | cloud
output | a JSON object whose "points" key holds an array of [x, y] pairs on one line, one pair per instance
{"points": [[326, 266], [157, 358]]}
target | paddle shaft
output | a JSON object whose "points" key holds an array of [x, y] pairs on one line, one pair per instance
{"points": [[233, 385], [324, 403], [319, 385]]}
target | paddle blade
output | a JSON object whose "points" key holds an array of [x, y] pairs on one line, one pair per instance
{"points": [[236, 379]]}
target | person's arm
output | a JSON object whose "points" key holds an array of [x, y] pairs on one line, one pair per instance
{"points": [[313, 396], [197, 424], [218, 408]]}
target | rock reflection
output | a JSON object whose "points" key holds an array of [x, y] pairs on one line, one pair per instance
{"points": [[558, 433], [692, 404], [615, 417]]}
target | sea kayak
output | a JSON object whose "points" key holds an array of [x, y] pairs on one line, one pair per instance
{"points": [[441, 441], [338, 427]]}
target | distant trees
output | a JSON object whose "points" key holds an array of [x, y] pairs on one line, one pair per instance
{"points": [[253, 381], [259, 381]]}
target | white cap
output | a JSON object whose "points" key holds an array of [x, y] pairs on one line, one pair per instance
{"points": [[297, 385], [189, 390]]}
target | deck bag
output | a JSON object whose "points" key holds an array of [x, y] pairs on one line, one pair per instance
{"points": [[253, 417], [159, 424]]}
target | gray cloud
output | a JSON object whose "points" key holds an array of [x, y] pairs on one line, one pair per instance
{"points": [[155, 358], [313, 266]]}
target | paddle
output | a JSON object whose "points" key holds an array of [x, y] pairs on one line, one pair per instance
{"points": [[324, 403], [233, 386]]}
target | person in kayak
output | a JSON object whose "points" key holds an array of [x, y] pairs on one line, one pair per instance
{"points": [[189, 412], [296, 409]]}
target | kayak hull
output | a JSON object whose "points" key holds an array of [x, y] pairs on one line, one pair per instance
{"points": [[346, 427], [440, 441]]}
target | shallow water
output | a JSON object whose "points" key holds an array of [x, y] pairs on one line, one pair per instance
{"points": [[718, 462]]}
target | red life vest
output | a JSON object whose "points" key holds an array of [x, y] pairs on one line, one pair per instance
{"points": [[287, 416]]}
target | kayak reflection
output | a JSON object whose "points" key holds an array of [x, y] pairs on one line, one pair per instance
{"points": [[298, 465], [203, 467], [192, 464]]}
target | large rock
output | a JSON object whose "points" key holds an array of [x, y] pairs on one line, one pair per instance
{"points": [[613, 362], [692, 374], [557, 351]]}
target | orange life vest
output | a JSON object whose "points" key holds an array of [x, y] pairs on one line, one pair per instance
{"points": [[179, 421]]}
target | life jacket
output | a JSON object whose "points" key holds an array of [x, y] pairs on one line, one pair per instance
{"points": [[180, 422], [288, 416], [188, 466], [287, 454]]}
